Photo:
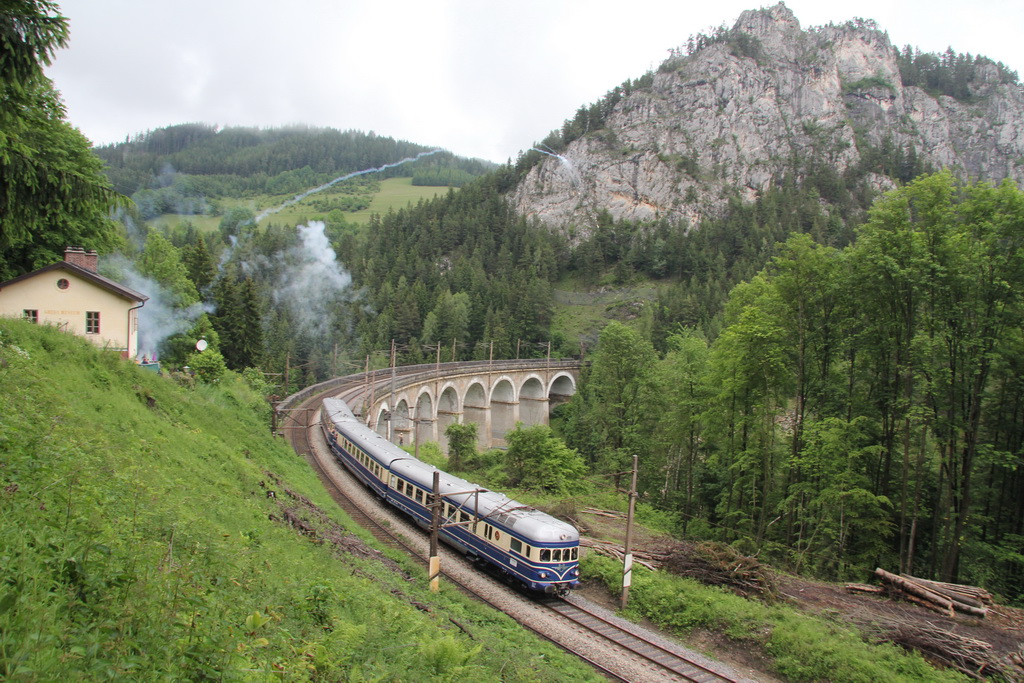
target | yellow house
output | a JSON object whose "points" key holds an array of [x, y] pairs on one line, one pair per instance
{"points": [[72, 295]]}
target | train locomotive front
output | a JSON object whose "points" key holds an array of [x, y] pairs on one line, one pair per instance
{"points": [[527, 546]]}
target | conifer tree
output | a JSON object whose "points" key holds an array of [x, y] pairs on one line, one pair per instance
{"points": [[52, 189]]}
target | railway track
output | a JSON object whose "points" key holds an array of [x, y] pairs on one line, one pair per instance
{"points": [[671, 665], [298, 432]]}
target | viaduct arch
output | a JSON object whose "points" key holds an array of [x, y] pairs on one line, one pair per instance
{"points": [[419, 406]]}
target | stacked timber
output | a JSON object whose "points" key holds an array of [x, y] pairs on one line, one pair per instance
{"points": [[970, 656], [945, 598], [651, 560], [718, 564], [714, 564]]}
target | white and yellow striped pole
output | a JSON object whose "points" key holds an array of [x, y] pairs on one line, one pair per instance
{"points": [[627, 559], [434, 566]]}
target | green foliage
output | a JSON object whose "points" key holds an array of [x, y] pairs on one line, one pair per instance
{"points": [[430, 453], [53, 192], [209, 366], [138, 544], [850, 395], [950, 73], [236, 162], [161, 261], [869, 83], [441, 177], [537, 459], [801, 647], [607, 420], [461, 444]]}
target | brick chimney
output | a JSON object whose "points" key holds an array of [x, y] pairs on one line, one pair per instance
{"points": [[82, 258]]}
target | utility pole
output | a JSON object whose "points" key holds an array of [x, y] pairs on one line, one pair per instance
{"points": [[627, 560], [547, 368], [434, 570], [391, 401], [366, 388], [370, 420]]}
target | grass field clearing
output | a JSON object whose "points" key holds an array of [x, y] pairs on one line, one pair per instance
{"points": [[394, 194]]}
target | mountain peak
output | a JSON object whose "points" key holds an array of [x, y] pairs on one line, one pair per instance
{"points": [[767, 102], [767, 21]]}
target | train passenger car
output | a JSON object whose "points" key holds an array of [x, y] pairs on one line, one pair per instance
{"points": [[363, 451], [527, 545]]}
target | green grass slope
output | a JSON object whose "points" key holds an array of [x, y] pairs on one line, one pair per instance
{"points": [[389, 194], [138, 542]]}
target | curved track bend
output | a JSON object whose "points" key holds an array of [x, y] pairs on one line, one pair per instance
{"points": [[663, 664]]}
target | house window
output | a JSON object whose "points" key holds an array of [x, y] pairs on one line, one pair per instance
{"points": [[92, 322], [63, 283], [31, 315]]}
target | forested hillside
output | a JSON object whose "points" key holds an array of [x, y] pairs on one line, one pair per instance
{"points": [[860, 406], [180, 169]]}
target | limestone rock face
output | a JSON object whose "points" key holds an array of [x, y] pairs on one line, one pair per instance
{"points": [[734, 116]]}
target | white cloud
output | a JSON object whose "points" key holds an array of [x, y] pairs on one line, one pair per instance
{"points": [[479, 78]]}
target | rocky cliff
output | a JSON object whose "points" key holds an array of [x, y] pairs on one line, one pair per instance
{"points": [[765, 101]]}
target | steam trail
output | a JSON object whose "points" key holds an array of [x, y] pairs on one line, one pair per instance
{"points": [[300, 197], [162, 317], [573, 175], [310, 285]]}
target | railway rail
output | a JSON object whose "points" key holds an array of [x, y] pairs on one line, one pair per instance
{"points": [[671, 662], [302, 430]]}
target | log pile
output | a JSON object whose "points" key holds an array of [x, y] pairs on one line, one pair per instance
{"points": [[945, 598], [649, 559], [612, 514], [1013, 664], [715, 564], [970, 656], [718, 564]]}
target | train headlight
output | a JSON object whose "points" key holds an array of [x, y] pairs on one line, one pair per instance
{"points": [[575, 572], [543, 575]]}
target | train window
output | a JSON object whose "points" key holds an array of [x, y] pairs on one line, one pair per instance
{"points": [[516, 545], [419, 495], [487, 531], [527, 549], [574, 553], [545, 555], [463, 517]]}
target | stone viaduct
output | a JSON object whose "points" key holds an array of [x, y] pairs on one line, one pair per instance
{"points": [[412, 405]]}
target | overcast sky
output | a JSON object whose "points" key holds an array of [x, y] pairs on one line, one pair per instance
{"points": [[481, 78]]}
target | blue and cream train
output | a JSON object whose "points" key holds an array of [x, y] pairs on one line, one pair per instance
{"points": [[528, 546]]}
